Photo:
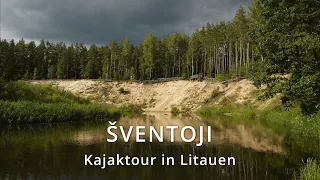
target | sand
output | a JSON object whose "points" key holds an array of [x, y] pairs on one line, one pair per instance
{"points": [[157, 97]]}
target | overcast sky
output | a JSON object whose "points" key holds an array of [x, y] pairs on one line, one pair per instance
{"points": [[100, 21]]}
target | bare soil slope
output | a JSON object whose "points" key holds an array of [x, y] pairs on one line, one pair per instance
{"points": [[157, 97]]}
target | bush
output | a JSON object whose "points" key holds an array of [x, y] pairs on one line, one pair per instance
{"points": [[175, 111], [215, 93], [200, 77], [131, 109], [184, 76], [123, 91]]}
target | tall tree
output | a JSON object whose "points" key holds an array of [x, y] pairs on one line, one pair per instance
{"points": [[148, 54], [125, 54]]}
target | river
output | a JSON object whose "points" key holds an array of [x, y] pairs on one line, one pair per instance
{"points": [[57, 151]]}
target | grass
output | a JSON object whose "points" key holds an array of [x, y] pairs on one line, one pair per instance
{"points": [[311, 171], [22, 91], [21, 103], [22, 112]]}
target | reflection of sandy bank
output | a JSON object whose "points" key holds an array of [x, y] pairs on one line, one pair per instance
{"points": [[247, 137], [85, 138], [253, 137], [159, 119]]}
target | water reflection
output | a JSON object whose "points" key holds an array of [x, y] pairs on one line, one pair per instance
{"points": [[255, 137], [57, 152]]}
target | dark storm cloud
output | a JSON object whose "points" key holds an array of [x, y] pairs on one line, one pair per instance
{"points": [[99, 21]]}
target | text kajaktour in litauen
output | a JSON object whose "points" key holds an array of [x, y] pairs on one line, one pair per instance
{"points": [[140, 133], [191, 160]]}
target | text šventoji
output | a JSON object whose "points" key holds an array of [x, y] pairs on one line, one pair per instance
{"points": [[158, 133]]}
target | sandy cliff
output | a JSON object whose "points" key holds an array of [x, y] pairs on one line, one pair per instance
{"points": [[159, 96]]}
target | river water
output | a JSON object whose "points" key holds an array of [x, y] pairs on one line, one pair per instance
{"points": [[57, 151]]}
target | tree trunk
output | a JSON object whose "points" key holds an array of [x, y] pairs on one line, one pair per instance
{"points": [[192, 70], [248, 58], [174, 64], [230, 56], [241, 55], [237, 58], [179, 63], [210, 64], [204, 62]]}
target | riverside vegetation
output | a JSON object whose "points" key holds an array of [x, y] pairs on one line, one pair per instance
{"points": [[302, 133], [310, 172], [21, 102]]}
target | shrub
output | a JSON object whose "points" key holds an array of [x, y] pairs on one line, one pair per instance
{"points": [[131, 109], [200, 77], [175, 111], [184, 76], [123, 91], [215, 93]]}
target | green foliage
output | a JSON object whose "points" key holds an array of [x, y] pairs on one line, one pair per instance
{"points": [[175, 111], [303, 132], [311, 171], [21, 102], [22, 91], [215, 93], [177, 55], [200, 77], [258, 74], [306, 134], [60, 72], [148, 54], [2, 88], [131, 109], [26, 76], [223, 77], [233, 112], [35, 74], [21, 112], [290, 48], [185, 76]]}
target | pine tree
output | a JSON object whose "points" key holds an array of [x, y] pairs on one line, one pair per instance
{"points": [[148, 54]]}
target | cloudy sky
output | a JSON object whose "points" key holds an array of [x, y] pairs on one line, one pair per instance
{"points": [[100, 21]]}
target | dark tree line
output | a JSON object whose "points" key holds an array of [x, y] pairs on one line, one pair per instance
{"points": [[221, 49]]}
